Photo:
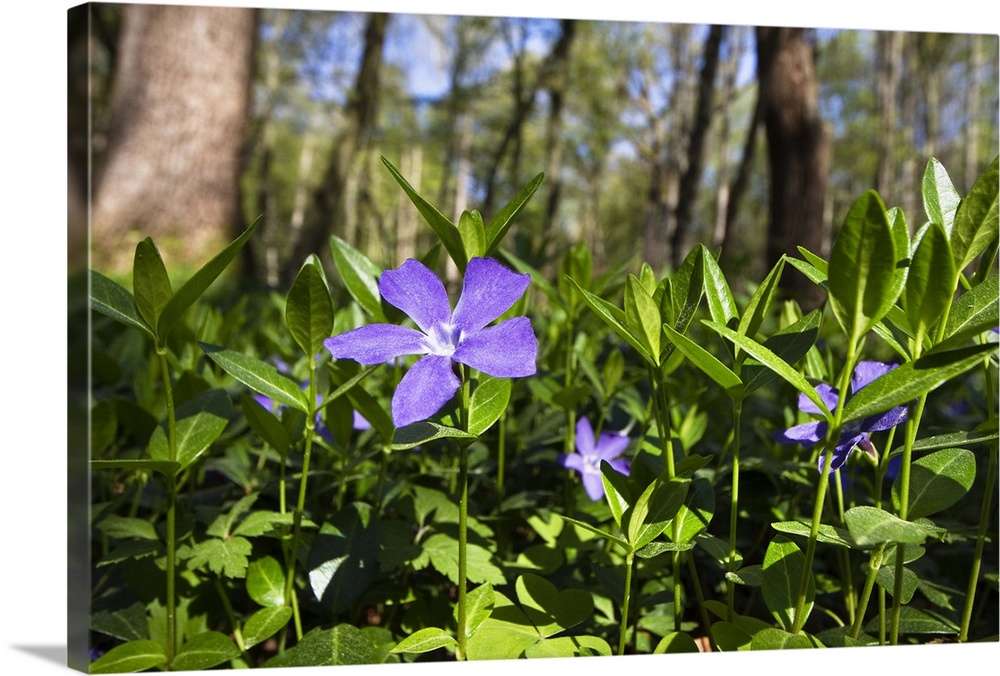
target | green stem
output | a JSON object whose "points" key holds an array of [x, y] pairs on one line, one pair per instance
{"points": [[845, 554], [734, 508], [228, 607], [463, 517], [171, 572], [874, 563], [501, 452], [623, 627]]}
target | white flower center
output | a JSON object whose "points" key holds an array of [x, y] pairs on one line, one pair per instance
{"points": [[443, 339], [591, 464]]}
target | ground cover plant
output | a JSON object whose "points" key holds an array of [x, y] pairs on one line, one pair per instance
{"points": [[371, 467]]}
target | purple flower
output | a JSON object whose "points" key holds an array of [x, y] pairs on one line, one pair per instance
{"points": [[854, 434], [590, 453], [506, 350]]}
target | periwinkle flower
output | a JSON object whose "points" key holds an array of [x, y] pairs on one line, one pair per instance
{"points": [[854, 434], [589, 454], [505, 350]]}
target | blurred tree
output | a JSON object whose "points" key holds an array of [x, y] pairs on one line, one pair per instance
{"points": [[179, 102], [798, 149]]}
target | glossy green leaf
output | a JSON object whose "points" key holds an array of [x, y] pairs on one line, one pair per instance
{"points": [[569, 646], [939, 195], [863, 267], [425, 432], [264, 624], [442, 226], [696, 513], [781, 576], [748, 576], [760, 302], [227, 557], [658, 547], [479, 604], [614, 318], [488, 402], [654, 509], [150, 282], [974, 312], [265, 423], [937, 481], [827, 534], [721, 304], [687, 286], [617, 491], [886, 579], [931, 281], [360, 275], [789, 344], [707, 362], [600, 533], [983, 433], [265, 582], [204, 651], [343, 559], [870, 526], [425, 640], [675, 642], [976, 218], [199, 282], [116, 526], [917, 621], [506, 634], [259, 376], [501, 222], [473, 234], [130, 657], [164, 467], [905, 383], [730, 638], [113, 300], [343, 644], [199, 422], [642, 318], [775, 363], [775, 639], [552, 610], [308, 308], [441, 551]]}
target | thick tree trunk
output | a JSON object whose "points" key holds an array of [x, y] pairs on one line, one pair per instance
{"points": [[359, 122], [798, 149], [179, 103]]}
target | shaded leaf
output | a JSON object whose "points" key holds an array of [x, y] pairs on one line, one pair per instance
{"points": [[264, 624], [360, 276], [937, 481], [204, 651]]}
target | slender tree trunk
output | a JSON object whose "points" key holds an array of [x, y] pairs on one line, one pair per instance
{"points": [[734, 41], [887, 65], [973, 92], [359, 121], [406, 215], [179, 103], [688, 190], [557, 86], [798, 149]]}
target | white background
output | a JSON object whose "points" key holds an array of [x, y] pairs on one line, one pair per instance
{"points": [[32, 325]]}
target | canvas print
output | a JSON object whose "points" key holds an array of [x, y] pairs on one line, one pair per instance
{"points": [[440, 338]]}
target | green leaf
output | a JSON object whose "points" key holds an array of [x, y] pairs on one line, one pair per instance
{"points": [[199, 422], [360, 275], [760, 302], [721, 304], [870, 526], [917, 621], [930, 284], [308, 308], [642, 317], [937, 481], [696, 513], [478, 605], [130, 657], [259, 376], [976, 218], [656, 548], [113, 300], [473, 234], [827, 534], [597, 531], [975, 311], [424, 432], [886, 579], [226, 557], [987, 431], [940, 197], [617, 491], [569, 646], [199, 283], [150, 282], [501, 222], [443, 227], [614, 318], [204, 651], [343, 559], [905, 383], [488, 402], [266, 582], [789, 344], [707, 362], [775, 363], [264, 423], [676, 642], [549, 609], [506, 634], [343, 644], [775, 639], [442, 552], [264, 624], [863, 267], [781, 575], [748, 576], [425, 640], [164, 467], [121, 527], [654, 509]]}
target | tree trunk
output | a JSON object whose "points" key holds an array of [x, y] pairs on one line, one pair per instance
{"points": [[359, 121], [730, 69], [688, 190], [557, 87], [179, 102], [798, 149]]}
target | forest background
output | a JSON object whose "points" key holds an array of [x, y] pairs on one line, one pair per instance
{"points": [[34, 63]]}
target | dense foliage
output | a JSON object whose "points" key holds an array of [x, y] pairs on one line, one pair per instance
{"points": [[624, 463]]}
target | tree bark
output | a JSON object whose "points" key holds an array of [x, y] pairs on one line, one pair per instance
{"points": [[359, 122], [798, 150], [887, 65], [179, 102]]}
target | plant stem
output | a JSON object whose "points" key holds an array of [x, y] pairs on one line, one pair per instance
{"points": [[734, 508], [228, 607], [463, 518], [874, 563], [623, 627], [171, 572]]}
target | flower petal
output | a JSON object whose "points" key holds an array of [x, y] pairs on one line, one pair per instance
{"points": [[594, 485], [488, 291], [867, 371], [610, 445], [572, 461], [507, 350], [621, 465], [806, 434], [425, 388], [883, 421], [828, 394], [376, 343], [842, 451], [584, 437], [417, 291]]}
